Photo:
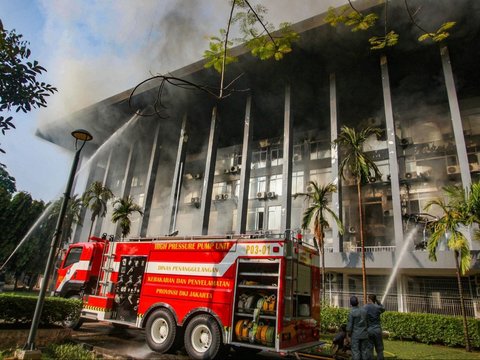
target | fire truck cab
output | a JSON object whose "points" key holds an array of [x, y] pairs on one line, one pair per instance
{"points": [[204, 292]]}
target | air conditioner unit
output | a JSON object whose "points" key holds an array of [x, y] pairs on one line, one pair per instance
{"points": [[309, 189], [297, 157], [195, 201], [386, 177], [235, 169], [453, 169], [197, 176], [219, 197], [474, 167], [261, 195], [411, 175], [225, 196], [372, 179], [271, 195], [226, 171]]}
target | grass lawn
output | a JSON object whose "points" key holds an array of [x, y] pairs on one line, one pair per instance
{"points": [[413, 350], [405, 350]]}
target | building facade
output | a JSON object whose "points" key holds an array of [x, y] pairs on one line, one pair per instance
{"points": [[203, 166]]}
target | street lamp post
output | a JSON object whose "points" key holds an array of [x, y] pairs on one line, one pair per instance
{"points": [[83, 136]]}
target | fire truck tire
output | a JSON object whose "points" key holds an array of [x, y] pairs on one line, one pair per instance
{"points": [[161, 331], [73, 322], [203, 339]]}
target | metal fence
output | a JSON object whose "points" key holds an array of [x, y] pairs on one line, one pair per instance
{"points": [[434, 304]]}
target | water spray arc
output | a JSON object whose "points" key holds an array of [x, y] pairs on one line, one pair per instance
{"points": [[84, 166], [27, 235], [107, 143]]}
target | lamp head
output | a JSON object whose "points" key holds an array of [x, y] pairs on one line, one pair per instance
{"points": [[82, 135]]}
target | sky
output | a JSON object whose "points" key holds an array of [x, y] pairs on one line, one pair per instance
{"points": [[94, 49]]}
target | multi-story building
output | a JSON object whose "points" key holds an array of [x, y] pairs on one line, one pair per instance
{"points": [[206, 166]]}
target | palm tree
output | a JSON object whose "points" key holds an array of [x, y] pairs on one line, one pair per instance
{"points": [[473, 202], [95, 198], [72, 216], [123, 208], [356, 162], [456, 212], [317, 211]]}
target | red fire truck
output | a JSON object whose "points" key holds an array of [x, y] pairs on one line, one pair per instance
{"points": [[204, 292]]}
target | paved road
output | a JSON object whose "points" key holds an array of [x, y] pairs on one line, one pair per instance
{"points": [[130, 344]]}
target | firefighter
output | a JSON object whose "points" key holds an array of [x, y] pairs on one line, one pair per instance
{"points": [[357, 330]]}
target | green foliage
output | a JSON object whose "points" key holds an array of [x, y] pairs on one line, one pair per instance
{"points": [[350, 17], [333, 317], [19, 309], [72, 216], [318, 209], [123, 209], [7, 181], [454, 214], [265, 47], [216, 52], [67, 351], [439, 35], [355, 161], [424, 328], [380, 42], [95, 198], [20, 215], [430, 328], [20, 89], [255, 32]]}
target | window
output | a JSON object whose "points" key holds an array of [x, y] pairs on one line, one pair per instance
{"points": [[73, 256], [257, 185], [297, 152], [321, 176], [276, 184], [277, 157], [259, 159], [297, 182], [237, 189], [274, 217], [319, 150], [255, 219]]}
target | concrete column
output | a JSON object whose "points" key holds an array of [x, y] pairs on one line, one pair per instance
{"points": [[392, 155], [457, 127], [178, 175], [127, 181], [99, 220], [286, 202], [457, 124], [245, 170], [209, 174], [150, 180], [336, 197]]}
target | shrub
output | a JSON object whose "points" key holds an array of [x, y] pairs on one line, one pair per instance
{"points": [[424, 328], [19, 309]]}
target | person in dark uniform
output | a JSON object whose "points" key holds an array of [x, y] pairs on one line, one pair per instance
{"points": [[357, 329], [374, 309]]}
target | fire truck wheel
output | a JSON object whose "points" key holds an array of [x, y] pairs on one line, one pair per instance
{"points": [[73, 322], [161, 331], [203, 338]]}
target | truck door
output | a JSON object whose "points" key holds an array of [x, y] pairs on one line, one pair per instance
{"points": [[128, 286], [68, 279]]}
